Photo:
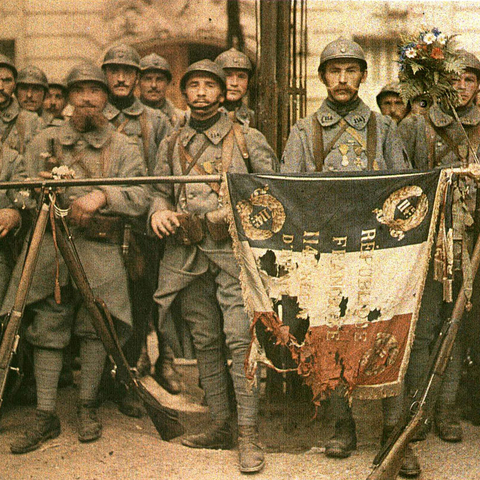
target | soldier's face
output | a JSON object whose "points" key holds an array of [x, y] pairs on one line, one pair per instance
{"points": [[203, 94], [30, 97], [7, 86], [153, 86], [88, 97], [55, 101], [121, 79], [342, 79], [467, 87], [392, 105], [237, 84]]}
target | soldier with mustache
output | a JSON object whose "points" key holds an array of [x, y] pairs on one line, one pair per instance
{"points": [[155, 77], [345, 135], [17, 126]]}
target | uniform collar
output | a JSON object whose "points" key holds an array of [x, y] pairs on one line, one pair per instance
{"points": [[215, 133], [11, 112], [439, 118], [357, 118], [167, 108], [68, 135], [134, 110]]}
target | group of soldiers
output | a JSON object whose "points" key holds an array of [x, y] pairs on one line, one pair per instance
{"points": [[94, 124]]}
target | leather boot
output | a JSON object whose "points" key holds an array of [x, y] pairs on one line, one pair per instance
{"points": [[46, 426], [447, 424], [130, 405], [250, 453], [410, 465], [89, 425], [218, 435], [167, 377], [344, 441]]}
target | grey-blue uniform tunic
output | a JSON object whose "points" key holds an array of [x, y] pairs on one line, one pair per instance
{"points": [[129, 122], [349, 152], [12, 168], [198, 271], [18, 126], [102, 261]]}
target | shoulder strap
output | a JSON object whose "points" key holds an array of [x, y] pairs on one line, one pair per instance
{"points": [[430, 135], [145, 135], [171, 147], [372, 142], [20, 124], [6, 132], [227, 150], [318, 154], [242, 145]]}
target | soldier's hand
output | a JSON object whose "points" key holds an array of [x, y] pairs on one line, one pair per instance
{"points": [[83, 208], [9, 218], [164, 223]]}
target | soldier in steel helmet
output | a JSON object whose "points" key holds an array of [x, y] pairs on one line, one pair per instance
{"points": [[345, 135], [148, 127], [391, 104], [56, 100], [90, 146], [17, 126], [239, 70], [198, 265], [155, 77], [436, 140], [31, 90]]}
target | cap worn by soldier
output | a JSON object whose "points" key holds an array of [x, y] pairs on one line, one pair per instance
{"points": [[7, 63], [390, 89], [122, 55], [32, 75], [204, 66], [233, 58], [471, 62], [340, 49], [155, 62], [56, 82], [86, 72]]}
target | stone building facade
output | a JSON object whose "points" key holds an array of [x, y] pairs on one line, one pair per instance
{"points": [[55, 34]]}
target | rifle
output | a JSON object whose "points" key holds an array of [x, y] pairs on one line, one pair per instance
{"points": [[389, 459], [11, 324], [165, 419]]}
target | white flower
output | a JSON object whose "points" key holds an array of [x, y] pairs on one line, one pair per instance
{"points": [[410, 53], [429, 38], [442, 39], [62, 172]]}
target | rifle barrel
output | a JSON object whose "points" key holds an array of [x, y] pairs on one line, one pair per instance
{"points": [[82, 182]]}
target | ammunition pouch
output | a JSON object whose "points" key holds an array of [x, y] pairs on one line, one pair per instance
{"points": [[190, 230], [218, 231], [105, 228]]}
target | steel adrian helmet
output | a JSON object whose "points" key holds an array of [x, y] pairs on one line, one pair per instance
{"points": [[86, 72], [471, 62], [7, 63], [206, 66], [32, 75], [390, 89], [156, 62], [342, 48], [122, 55], [233, 58], [57, 82]]}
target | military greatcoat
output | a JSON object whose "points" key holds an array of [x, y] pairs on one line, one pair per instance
{"points": [[156, 127], [99, 153], [18, 126], [12, 168], [349, 151]]}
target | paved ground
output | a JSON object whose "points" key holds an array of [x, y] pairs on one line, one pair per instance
{"points": [[131, 448]]}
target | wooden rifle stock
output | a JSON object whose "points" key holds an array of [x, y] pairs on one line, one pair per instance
{"points": [[388, 461], [165, 419], [11, 324]]}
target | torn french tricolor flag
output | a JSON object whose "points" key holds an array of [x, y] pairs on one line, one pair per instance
{"points": [[332, 272]]}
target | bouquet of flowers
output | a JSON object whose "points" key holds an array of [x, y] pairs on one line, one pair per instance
{"points": [[428, 63]]}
